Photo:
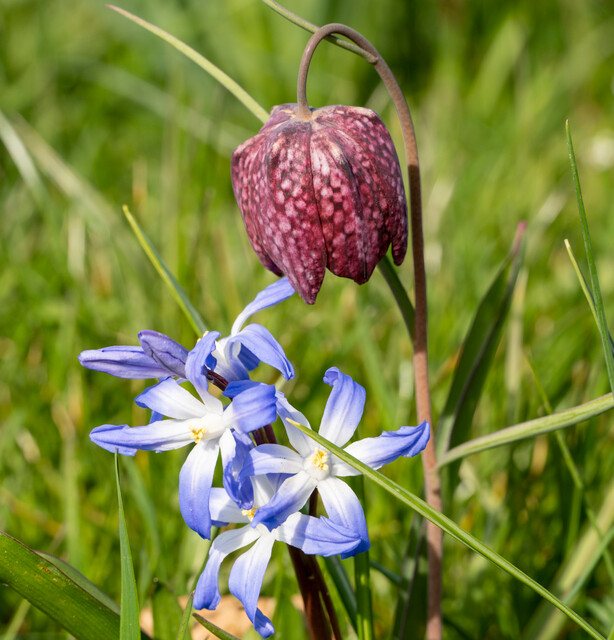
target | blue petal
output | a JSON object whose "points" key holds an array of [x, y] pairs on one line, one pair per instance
{"points": [[343, 409], [163, 435], [170, 399], [317, 535], [234, 447], [261, 343], [235, 387], [289, 498], [376, 452], [253, 408], [105, 437], [196, 363], [344, 508], [271, 458], [195, 480], [274, 293], [245, 581], [207, 594], [164, 351], [122, 362], [223, 509]]}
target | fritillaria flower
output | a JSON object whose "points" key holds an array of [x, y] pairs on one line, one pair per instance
{"points": [[321, 191]]}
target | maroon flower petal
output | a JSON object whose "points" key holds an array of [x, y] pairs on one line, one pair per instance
{"points": [[326, 191]]}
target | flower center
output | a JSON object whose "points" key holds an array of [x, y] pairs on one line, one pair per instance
{"points": [[197, 434], [319, 459], [249, 513]]}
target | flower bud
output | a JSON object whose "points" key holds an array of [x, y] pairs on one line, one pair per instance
{"points": [[321, 192]]}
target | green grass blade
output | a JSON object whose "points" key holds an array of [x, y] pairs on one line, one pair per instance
{"points": [[129, 620], [68, 598], [530, 429], [312, 28], [400, 294], [585, 289], [547, 624], [362, 578], [184, 632], [450, 527], [23, 161], [215, 630], [215, 72], [592, 269], [478, 352], [341, 582], [169, 279]]}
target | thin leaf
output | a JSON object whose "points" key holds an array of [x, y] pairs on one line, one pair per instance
{"points": [[168, 278], [592, 269], [364, 609], [341, 582], [478, 352], [529, 429], [215, 630], [411, 607], [215, 72], [547, 624], [312, 28], [17, 150], [449, 527], [584, 286], [400, 294], [129, 618], [184, 629], [71, 600]]}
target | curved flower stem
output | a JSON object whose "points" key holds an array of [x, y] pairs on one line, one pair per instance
{"points": [[423, 401]]}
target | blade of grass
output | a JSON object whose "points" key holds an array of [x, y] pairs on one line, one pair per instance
{"points": [[547, 624], [184, 629], [584, 286], [17, 150], [215, 630], [168, 278], [478, 352], [59, 591], [129, 628], [362, 579], [342, 584], [592, 269], [531, 428], [451, 528], [400, 294], [215, 72]]}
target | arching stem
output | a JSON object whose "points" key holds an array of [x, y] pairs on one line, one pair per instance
{"points": [[423, 401]]}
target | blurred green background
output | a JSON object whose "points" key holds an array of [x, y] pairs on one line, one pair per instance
{"points": [[95, 113]]}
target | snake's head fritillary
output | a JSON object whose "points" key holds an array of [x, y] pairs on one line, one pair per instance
{"points": [[321, 192]]}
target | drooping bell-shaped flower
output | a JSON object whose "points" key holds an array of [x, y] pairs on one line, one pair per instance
{"points": [[321, 191]]}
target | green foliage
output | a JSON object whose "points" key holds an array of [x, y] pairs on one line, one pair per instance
{"points": [[96, 113]]}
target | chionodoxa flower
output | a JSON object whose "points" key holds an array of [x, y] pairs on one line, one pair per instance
{"points": [[321, 191]]}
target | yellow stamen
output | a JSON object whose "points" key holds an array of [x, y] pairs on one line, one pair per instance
{"points": [[197, 434], [250, 513], [319, 459]]}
